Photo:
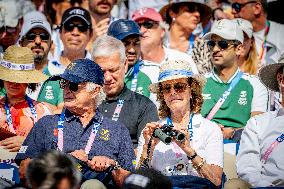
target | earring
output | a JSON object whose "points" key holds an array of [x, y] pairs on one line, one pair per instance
{"points": [[174, 19]]}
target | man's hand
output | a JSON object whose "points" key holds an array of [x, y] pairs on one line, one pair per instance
{"points": [[23, 167], [101, 27], [80, 154], [100, 163], [227, 131], [13, 144], [119, 176]]}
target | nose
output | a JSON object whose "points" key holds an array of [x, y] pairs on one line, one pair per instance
{"points": [[75, 31], [197, 14], [143, 29], [37, 39], [131, 48], [235, 13], [107, 76]]}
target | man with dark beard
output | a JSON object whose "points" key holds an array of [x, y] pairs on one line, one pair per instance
{"points": [[36, 34]]}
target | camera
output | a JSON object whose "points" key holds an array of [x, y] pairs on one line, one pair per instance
{"points": [[166, 134]]}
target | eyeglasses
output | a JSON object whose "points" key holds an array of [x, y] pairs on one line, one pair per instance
{"points": [[238, 6], [72, 86], [148, 24], [70, 27], [223, 44], [178, 87], [32, 36]]}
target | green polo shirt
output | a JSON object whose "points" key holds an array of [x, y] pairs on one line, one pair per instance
{"points": [[143, 81], [249, 95]]}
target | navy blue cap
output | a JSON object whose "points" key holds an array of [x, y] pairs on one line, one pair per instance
{"points": [[83, 70], [76, 12], [122, 28]]}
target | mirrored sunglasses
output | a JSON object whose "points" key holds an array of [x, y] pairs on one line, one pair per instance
{"points": [[72, 86], [238, 6]]}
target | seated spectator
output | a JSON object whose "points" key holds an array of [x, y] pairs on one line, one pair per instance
{"points": [[230, 96], [81, 129], [260, 157], [146, 179], [53, 169], [200, 151], [18, 112], [248, 60], [121, 104]]}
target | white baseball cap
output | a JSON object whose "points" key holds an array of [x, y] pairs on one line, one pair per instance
{"points": [[245, 25], [35, 20], [227, 29]]}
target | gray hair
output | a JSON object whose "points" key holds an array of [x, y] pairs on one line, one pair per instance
{"points": [[106, 46], [100, 97]]}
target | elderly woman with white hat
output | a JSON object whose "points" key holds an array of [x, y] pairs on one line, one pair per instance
{"points": [[18, 112], [196, 144]]}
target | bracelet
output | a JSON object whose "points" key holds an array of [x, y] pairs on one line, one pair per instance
{"points": [[199, 166], [192, 157]]}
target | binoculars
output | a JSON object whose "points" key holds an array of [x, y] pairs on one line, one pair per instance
{"points": [[166, 134]]}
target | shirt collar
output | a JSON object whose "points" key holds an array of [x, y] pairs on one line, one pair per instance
{"points": [[217, 78]]}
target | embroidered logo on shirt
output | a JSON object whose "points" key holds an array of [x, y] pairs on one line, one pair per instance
{"points": [[71, 65], [104, 134], [139, 90], [23, 149], [49, 93], [206, 96], [243, 98]]}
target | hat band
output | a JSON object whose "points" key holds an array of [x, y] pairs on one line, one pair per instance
{"points": [[13, 66], [169, 73]]}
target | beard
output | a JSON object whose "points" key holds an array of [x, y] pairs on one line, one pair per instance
{"points": [[39, 59]]}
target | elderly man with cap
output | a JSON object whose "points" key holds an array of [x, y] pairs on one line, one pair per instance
{"points": [[121, 104], [153, 53], [11, 20], [75, 33], [230, 96], [36, 35], [260, 157], [128, 32], [80, 129]]}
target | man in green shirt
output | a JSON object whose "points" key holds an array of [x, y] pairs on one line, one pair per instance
{"points": [[128, 32], [246, 97]]}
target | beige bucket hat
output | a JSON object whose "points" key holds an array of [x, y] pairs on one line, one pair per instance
{"points": [[267, 74], [17, 65], [175, 69]]}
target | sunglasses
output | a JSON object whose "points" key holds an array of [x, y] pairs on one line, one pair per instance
{"points": [[72, 86], [70, 27], [178, 87], [32, 36], [238, 6], [223, 44], [148, 24]]}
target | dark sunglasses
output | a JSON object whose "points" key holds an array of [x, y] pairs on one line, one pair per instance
{"points": [[32, 36], [223, 44], [238, 6], [70, 27], [178, 87], [72, 86], [148, 24]]}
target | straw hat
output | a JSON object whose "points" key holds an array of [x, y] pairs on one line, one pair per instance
{"points": [[267, 74], [17, 65], [204, 17], [175, 69]]}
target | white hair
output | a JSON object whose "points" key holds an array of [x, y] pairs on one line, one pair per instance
{"points": [[164, 25], [100, 97], [106, 46]]}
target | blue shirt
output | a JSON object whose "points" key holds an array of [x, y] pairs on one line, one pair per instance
{"points": [[112, 140]]}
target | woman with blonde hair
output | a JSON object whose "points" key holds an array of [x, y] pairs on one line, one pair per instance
{"points": [[182, 142], [248, 60], [18, 112]]}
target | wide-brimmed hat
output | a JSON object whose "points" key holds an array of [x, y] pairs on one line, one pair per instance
{"points": [[17, 65], [175, 69], [205, 10], [267, 74]]}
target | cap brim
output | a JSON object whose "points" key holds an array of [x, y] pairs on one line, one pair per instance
{"points": [[206, 10], [267, 75], [69, 77], [226, 36], [76, 16], [124, 35]]}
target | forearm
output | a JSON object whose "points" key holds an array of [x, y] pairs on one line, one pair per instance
{"points": [[145, 157], [205, 170]]}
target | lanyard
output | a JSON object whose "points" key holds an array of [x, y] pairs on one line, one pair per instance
{"points": [[9, 115], [91, 139], [190, 130], [264, 43], [224, 96], [117, 110], [267, 153], [190, 44], [135, 77]]}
